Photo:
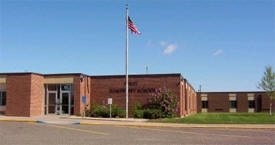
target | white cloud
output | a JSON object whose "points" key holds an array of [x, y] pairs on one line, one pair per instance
{"points": [[162, 43], [170, 49], [218, 52]]}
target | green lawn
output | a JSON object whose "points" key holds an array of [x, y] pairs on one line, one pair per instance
{"points": [[223, 118]]}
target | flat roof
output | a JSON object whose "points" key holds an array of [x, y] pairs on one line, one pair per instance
{"points": [[136, 75], [56, 74], [20, 73], [234, 92]]}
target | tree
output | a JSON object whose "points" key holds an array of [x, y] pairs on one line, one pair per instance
{"points": [[268, 84]]}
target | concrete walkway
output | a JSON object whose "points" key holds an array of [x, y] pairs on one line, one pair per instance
{"points": [[54, 119]]}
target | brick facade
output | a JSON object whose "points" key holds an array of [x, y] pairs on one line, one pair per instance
{"points": [[82, 87], [25, 93], [140, 89], [219, 101], [37, 95], [18, 89]]}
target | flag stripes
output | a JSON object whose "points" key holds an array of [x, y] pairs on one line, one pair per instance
{"points": [[132, 27]]}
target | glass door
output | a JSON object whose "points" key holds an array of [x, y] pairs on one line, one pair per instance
{"points": [[51, 102], [65, 103]]}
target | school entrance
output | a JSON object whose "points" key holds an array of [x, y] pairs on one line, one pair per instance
{"points": [[59, 99]]}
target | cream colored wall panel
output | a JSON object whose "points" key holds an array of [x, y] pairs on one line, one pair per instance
{"points": [[251, 110], [232, 95], [250, 94], [232, 110], [251, 98], [2, 80], [232, 98], [204, 110], [204, 98], [204, 95], [58, 80]]}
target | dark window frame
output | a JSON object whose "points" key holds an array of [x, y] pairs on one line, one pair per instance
{"points": [[3, 98], [251, 104], [234, 104], [204, 104]]}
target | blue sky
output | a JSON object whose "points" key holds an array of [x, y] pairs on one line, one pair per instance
{"points": [[224, 45]]}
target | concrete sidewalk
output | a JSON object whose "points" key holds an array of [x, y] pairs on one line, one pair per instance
{"points": [[53, 119]]}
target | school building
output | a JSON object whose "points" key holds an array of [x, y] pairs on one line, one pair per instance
{"points": [[34, 94]]}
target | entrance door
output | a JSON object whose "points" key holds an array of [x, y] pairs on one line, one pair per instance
{"points": [[51, 102], [58, 99], [63, 103]]}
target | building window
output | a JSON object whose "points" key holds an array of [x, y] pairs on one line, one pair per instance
{"points": [[204, 104], [233, 104], [251, 104], [2, 98]]}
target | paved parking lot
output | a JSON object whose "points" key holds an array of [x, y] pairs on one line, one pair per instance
{"points": [[15, 133]]}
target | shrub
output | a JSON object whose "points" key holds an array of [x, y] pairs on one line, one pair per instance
{"points": [[137, 110], [164, 100], [138, 113], [117, 112], [97, 110], [152, 113]]}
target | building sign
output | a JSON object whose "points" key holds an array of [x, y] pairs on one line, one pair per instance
{"points": [[134, 89], [110, 101], [83, 99]]}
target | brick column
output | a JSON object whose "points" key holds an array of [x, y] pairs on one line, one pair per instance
{"points": [[81, 88], [24, 95]]}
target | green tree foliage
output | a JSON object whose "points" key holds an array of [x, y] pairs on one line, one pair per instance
{"points": [[268, 84]]}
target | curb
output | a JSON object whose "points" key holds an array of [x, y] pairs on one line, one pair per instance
{"points": [[171, 126], [38, 121], [106, 119], [41, 121], [10, 120], [144, 125]]}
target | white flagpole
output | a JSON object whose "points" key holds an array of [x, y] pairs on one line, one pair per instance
{"points": [[126, 61]]}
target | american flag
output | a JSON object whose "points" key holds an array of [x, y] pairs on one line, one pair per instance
{"points": [[132, 27]]}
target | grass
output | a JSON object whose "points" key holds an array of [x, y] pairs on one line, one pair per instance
{"points": [[223, 118]]}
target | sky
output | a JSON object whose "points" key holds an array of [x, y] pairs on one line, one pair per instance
{"points": [[222, 45]]}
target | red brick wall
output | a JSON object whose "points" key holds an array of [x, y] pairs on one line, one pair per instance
{"points": [[18, 95], [220, 100], [24, 95], [81, 88], [37, 95], [190, 99], [242, 102], [265, 103], [106, 87], [199, 102]]}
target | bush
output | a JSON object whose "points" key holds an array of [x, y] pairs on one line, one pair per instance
{"points": [[164, 100], [139, 113], [137, 110], [117, 112], [104, 111], [152, 113]]}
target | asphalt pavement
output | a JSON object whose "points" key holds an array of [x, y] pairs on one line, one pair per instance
{"points": [[28, 133]]}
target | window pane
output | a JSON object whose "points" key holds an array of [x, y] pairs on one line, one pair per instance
{"points": [[52, 87], [3, 98], [233, 104], [66, 87], [251, 104], [204, 104]]}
